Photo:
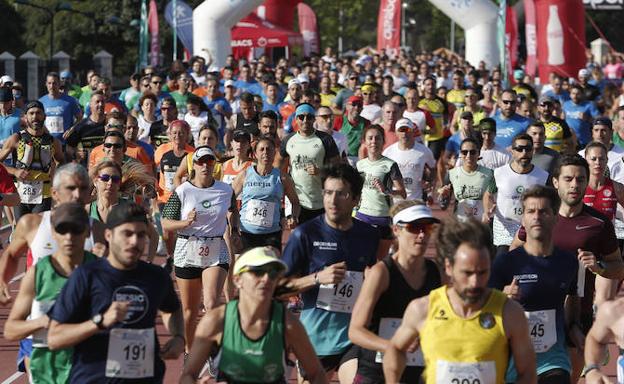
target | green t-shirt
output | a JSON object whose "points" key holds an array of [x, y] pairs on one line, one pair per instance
{"points": [[353, 134], [468, 188], [316, 149], [373, 202], [180, 101]]}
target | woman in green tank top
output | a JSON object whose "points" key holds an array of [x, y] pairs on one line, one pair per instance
{"points": [[106, 178], [250, 337], [40, 288]]}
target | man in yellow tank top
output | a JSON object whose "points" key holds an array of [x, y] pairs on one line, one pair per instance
{"points": [[465, 330]]}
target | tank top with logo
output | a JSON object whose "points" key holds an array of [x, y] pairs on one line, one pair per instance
{"points": [[261, 197], [603, 200]]}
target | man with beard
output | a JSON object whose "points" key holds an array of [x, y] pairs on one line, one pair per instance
{"points": [[89, 132], [542, 278], [478, 327], [324, 123], [508, 122], [35, 154]]}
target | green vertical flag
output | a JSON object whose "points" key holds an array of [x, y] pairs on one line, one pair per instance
{"points": [[502, 44], [143, 37], [175, 30]]}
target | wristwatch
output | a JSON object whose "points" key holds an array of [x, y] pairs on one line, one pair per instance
{"points": [[589, 368], [98, 319]]}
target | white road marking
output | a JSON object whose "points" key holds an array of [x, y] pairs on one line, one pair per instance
{"points": [[13, 377]]}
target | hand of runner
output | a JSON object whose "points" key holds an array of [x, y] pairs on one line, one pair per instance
{"points": [[333, 274], [115, 313], [44, 321], [513, 290], [5, 295], [588, 259], [578, 339], [291, 222], [172, 348], [597, 377], [311, 169], [377, 185], [68, 133], [21, 174], [191, 217]]}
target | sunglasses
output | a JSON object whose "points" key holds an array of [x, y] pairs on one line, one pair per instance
{"points": [[326, 117], [417, 228], [305, 116], [545, 105], [157, 82], [273, 272], [467, 152], [106, 178], [523, 148], [365, 93], [206, 161], [114, 125], [403, 129], [72, 228], [508, 102], [113, 145]]}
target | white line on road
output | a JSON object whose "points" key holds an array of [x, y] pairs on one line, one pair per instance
{"points": [[13, 377]]}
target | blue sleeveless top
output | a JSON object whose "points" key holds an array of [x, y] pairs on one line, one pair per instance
{"points": [[262, 199]]}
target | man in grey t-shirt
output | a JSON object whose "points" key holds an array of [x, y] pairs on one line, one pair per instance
{"points": [[543, 157]]}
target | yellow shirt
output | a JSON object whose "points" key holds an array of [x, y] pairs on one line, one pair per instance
{"points": [[556, 131], [327, 99], [456, 96], [436, 108], [459, 350]]}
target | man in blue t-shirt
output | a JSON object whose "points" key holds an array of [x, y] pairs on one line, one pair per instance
{"points": [[107, 310], [542, 278], [61, 110], [327, 256], [219, 106], [579, 114], [9, 117], [508, 122]]}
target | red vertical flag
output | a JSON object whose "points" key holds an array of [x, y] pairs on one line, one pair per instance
{"points": [[152, 21], [511, 39], [308, 28], [531, 37], [389, 27]]}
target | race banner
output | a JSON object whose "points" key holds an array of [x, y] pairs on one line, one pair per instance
{"points": [[184, 22], [154, 39], [531, 37], [389, 27]]}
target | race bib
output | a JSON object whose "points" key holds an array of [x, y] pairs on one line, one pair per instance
{"points": [[288, 208], [387, 327], [260, 213], [228, 179], [30, 191], [169, 175], [203, 251], [37, 310], [130, 353], [513, 209], [340, 297], [542, 329], [580, 280], [465, 373], [54, 124], [469, 208]]}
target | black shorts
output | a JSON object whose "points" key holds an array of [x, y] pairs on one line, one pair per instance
{"points": [[190, 273], [251, 240], [23, 209], [309, 214], [333, 362], [554, 376], [437, 147]]}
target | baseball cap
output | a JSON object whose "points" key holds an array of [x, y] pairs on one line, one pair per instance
{"points": [[466, 115], [213, 69], [69, 213], [546, 99], [368, 87], [229, 83], [487, 124], [603, 121], [66, 75], [293, 82], [6, 79], [303, 78], [203, 151], [239, 135], [6, 94], [355, 100], [518, 74], [404, 123], [34, 104], [583, 72], [414, 213], [258, 257]]}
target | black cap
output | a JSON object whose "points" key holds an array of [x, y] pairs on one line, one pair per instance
{"points": [[128, 212], [6, 94], [487, 124], [603, 121], [466, 115], [69, 213], [239, 135]]}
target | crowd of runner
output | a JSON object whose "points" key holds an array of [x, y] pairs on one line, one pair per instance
{"points": [[277, 216]]}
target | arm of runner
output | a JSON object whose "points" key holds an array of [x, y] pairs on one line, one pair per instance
{"points": [[17, 326], [613, 265], [237, 184], [394, 356], [9, 260], [8, 146], [572, 308], [175, 346], [207, 336], [489, 205], [332, 274], [59, 155], [181, 172], [375, 283], [517, 329], [297, 340], [597, 340], [291, 193], [69, 334]]}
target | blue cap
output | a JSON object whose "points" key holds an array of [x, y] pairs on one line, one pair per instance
{"points": [[66, 75], [304, 108]]}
